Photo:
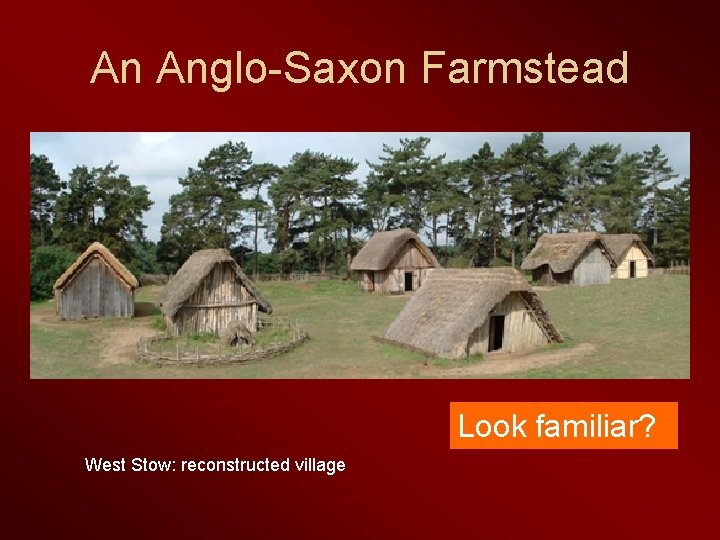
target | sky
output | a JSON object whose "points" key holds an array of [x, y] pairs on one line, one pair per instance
{"points": [[158, 159]]}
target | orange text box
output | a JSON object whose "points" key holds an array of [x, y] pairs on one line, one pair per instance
{"points": [[564, 425]]}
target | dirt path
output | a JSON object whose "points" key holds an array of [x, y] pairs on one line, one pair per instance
{"points": [[504, 363], [43, 316], [118, 343]]}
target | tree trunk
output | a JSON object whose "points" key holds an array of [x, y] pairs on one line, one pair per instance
{"points": [[447, 233], [286, 235], [348, 255], [526, 233], [255, 243], [512, 236], [493, 231]]}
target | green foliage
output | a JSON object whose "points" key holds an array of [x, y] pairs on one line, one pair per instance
{"points": [[207, 212], [101, 205], [45, 186], [528, 189], [313, 201], [480, 209], [47, 263], [399, 185], [674, 225], [659, 172]]}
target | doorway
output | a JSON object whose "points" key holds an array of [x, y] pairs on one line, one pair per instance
{"points": [[408, 281], [497, 329], [632, 269]]}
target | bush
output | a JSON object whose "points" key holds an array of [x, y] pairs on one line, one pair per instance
{"points": [[47, 263]]}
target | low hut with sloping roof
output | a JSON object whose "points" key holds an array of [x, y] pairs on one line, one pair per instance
{"points": [[208, 293], [393, 262], [95, 285], [457, 313], [631, 255], [570, 259]]}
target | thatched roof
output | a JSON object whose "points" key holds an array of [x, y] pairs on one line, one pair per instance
{"points": [[451, 304], [619, 244], [563, 250], [187, 279], [383, 246], [97, 250]]}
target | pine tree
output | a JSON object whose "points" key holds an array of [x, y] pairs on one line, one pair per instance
{"points": [[258, 176], [658, 172], [45, 187], [101, 205], [407, 172], [207, 212], [485, 177], [674, 224], [526, 164], [624, 192]]}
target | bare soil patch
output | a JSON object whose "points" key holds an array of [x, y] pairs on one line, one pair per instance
{"points": [[505, 363], [119, 343]]}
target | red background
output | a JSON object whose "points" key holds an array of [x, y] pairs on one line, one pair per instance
{"points": [[402, 479]]}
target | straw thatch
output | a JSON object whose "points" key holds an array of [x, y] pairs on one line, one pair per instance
{"points": [[442, 315], [619, 244], [186, 281], [104, 254], [382, 247], [562, 251]]}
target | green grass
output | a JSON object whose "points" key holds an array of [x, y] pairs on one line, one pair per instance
{"points": [[640, 328]]}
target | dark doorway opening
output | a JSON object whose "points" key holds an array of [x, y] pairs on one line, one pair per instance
{"points": [[632, 269], [408, 281], [371, 282], [497, 329]]}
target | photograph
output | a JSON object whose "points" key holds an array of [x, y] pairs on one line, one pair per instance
{"points": [[360, 255]]}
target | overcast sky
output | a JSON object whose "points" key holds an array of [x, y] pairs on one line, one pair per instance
{"points": [[157, 159]]}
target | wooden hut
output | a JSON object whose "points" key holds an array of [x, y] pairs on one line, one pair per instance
{"points": [[571, 259], [631, 255], [95, 285], [393, 262], [461, 312], [209, 292]]}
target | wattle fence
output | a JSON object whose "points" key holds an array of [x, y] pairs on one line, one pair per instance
{"points": [[163, 350]]}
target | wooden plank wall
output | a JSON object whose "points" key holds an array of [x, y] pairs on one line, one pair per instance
{"points": [[521, 331], [392, 280], [641, 264], [409, 256], [218, 300], [96, 291], [593, 268]]}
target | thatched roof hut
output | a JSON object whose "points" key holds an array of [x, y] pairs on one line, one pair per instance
{"points": [[460, 312], [393, 261], [570, 258], [631, 255], [209, 292], [95, 285]]}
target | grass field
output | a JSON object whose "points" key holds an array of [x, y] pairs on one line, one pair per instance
{"points": [[637, 328]]}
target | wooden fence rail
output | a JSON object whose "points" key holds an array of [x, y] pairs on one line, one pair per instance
{"points": [[674, 268], [307, 276]]}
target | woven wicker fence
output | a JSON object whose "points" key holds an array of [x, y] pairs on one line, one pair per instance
{"points": [[185, 354]]}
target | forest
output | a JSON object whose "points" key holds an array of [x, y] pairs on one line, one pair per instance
{"points": [[487, 209]]}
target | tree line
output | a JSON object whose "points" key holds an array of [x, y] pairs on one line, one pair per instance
{"points": [[486, 209]]}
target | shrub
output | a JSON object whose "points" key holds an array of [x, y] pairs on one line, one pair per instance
{"points": [[47, 263]]}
